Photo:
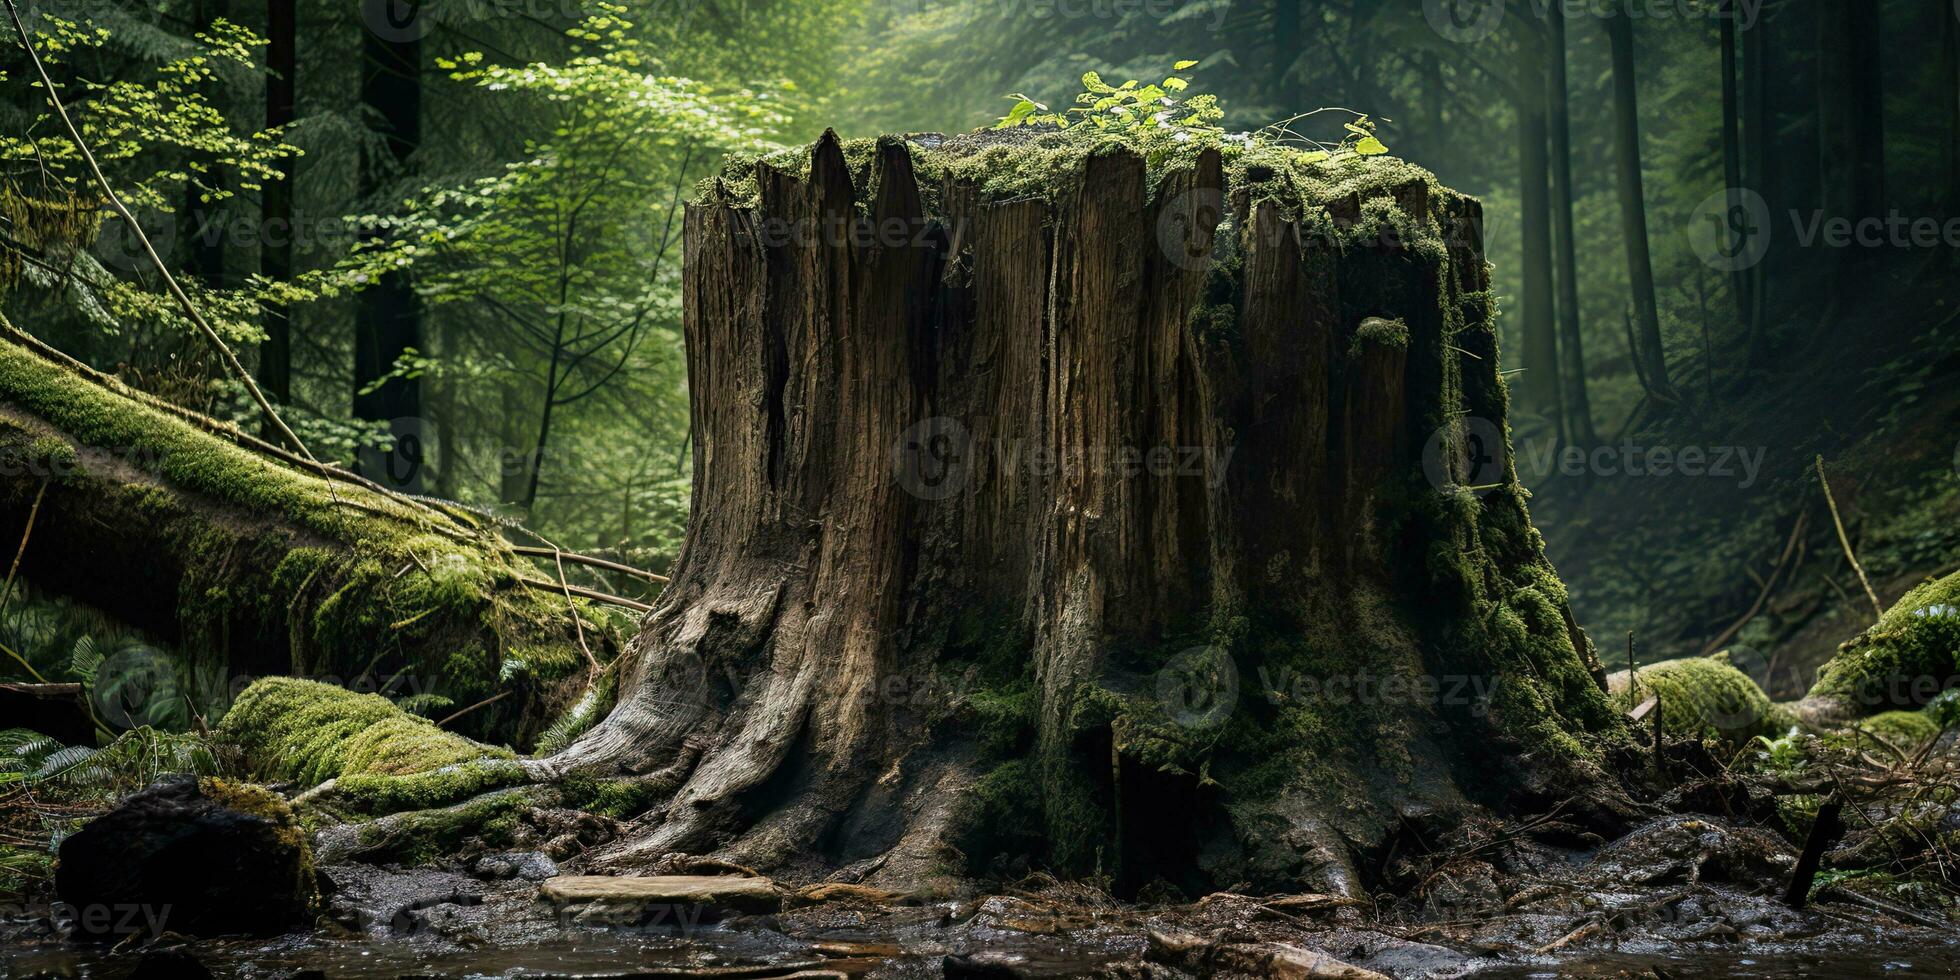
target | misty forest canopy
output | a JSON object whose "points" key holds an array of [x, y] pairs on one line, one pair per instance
{"points": [[887, 444]]}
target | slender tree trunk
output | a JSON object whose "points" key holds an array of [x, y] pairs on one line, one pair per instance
{"points": [[205, 223], [1851, 128], [1950, 76], [1732, 152], [1633, 206], [947, 468], [1578, 402], [1539, 385], [388, 322], [276, 248], [1286, 49], [1760, 131]]}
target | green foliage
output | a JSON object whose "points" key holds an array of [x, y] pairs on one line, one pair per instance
{"points": [[131, 761], [159, 131], [1126, 107]]}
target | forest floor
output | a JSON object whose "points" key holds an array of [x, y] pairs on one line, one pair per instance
{"points": [[1694, 888], [1681, 896], [1683, 560]]}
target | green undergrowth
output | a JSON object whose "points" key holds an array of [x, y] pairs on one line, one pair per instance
{"points": [[279, 571], [308, 732]]}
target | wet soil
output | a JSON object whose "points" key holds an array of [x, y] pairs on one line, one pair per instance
{"points": [[1680, 896]]}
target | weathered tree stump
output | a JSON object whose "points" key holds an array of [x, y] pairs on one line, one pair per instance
{"points": [[1119, 514]]}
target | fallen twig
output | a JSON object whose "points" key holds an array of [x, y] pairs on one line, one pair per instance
{"points": [[1845, 540], [32, 512], [560, 554], [492, 699], [593, 594], [1769, 587]]}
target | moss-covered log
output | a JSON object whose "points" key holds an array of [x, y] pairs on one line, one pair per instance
{"points": [[1905, 660], [1704, 697], [252, 565], [1069, 499]]}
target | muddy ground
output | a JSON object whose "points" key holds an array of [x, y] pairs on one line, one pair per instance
{"points": [[1679, 896]]}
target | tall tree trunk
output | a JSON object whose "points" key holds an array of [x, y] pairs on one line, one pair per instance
{"points": [[388, 322], [275, 370], [1851, 127], [1760, 130], [206, 223], [1286, 49], [1539, 384], [1578, 402], [1051, 473], [1950, 76], [1633, 207], [1732, 152]]}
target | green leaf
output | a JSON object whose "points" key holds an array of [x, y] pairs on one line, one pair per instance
{"points": [[1371, 147], [1184, 65]]}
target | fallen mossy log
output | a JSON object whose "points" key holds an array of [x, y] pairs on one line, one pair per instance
{"points": [[251, 565], [1904, 661], [1703, 696]]}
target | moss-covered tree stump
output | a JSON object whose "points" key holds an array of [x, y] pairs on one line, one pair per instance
{"points": [[1069, 501]]}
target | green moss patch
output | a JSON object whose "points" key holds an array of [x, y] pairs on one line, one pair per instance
{"points": [[1709, 697], [311, 732]]}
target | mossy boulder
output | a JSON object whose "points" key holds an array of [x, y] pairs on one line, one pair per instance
{"points": [[308, 732], [1704, 697], [1904, 661], [202, 857]]}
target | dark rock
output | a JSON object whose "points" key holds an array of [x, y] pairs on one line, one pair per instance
{"points": [[528, 865], [201, 857]]}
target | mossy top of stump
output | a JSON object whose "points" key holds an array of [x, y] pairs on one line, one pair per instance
{"points": [[1345, 194]]}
